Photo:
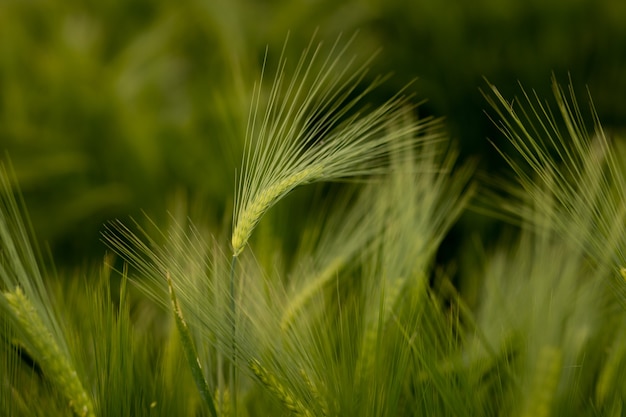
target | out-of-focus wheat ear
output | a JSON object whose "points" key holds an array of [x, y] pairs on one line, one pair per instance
{"points": [[303, 296], [46, 352], [367, 354], [572, 175], [292, 403], [545, 382], [222, 399], [315, 393], [190, 350], [374, 327], [609, 378]]}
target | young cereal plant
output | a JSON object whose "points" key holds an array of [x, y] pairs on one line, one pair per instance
{"points": [[312, 129]]}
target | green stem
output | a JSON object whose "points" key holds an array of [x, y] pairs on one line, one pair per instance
{"points": [[232, 374]]}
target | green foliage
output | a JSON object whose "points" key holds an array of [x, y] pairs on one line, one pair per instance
{"points": [[359, 318], [107, 109]]}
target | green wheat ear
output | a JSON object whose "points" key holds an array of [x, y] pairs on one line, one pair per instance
{"points": [[55, 365], [190, 350], [572, 173], [291, 402], [546, 381], [311, 130], [253, 210]]}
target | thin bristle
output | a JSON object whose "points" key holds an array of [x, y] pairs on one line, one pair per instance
{"points": [[573, 172]]}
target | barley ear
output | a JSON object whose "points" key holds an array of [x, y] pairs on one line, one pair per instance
{"points": [[375, 325], [190, 350], [250, 214], [53, 362], [315, 393], [302, 297], [545, 383], [293, 404], [609, 378], [222, 399]]}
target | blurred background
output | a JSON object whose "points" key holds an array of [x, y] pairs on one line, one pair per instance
{"points": [[111, 108]]}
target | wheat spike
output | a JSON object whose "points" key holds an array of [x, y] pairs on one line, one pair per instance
{"points": [[222, 401], [54, 364], [546, 381], [300, 299], [293, 404], [190, 350], [253, 210]]}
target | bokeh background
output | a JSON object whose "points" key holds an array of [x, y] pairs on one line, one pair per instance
{"points": [[111, 108]]}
